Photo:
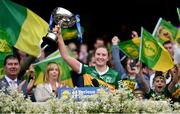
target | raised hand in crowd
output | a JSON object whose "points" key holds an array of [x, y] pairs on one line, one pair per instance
{"points": [[29, 86], [115, 40], [31, 76], [175, 73]]}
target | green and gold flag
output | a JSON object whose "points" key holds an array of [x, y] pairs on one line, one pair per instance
{"points": [[130, 47], [20, 28], [71, 33], [165, 31], [153, 54]]}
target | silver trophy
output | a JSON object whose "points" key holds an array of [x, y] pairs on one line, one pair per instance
{"points": [[60, 16]]}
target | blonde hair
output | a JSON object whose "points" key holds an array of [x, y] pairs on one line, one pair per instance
{"points": [[49, 67]]}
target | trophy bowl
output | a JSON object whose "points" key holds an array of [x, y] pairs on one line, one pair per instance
{"points": [[60, 16], [64, 16]]}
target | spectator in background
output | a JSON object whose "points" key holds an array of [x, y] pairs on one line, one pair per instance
{"points": [[91, 60], [173, 49], [99, 42], [169, 46], [116, 57], [161, 90], [83, 53], [10, 80], [49, 88], [73, 47], [22, 56], [147, 73], [129, 68]]}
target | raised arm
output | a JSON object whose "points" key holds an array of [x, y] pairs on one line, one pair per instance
{"points": [[72, 62], [116, 58], [176, 77], [145, 88]]}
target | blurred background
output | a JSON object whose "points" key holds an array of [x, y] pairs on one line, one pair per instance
{"points": [[110, 17]]}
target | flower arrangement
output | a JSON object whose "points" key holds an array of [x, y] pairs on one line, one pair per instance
{"points": [[119, 101]]}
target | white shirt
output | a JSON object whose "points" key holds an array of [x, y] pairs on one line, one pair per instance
{"points": [[43, 92], [12, 83]]}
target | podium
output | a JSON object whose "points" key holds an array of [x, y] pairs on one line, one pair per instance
{"points": [[78, 93]]}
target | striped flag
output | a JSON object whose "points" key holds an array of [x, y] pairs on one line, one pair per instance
{"points": [[153, 54], [23, 29], [20, 28]]}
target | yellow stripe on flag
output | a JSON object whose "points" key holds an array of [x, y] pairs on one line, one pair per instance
{"points": [[32, 31], [40, 79], [164, 61]]}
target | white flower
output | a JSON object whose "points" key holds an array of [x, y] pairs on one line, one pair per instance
{"points": [[120, 101]]}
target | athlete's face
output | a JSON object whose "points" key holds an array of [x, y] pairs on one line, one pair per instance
{"points": [[101, 56]]}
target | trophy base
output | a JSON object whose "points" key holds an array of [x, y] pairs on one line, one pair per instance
{"points": [[49, 44]]}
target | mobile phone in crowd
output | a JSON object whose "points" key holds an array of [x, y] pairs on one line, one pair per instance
{"points": [[132, 64]]}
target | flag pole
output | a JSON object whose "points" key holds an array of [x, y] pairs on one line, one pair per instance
{"points": [[140, 44]]}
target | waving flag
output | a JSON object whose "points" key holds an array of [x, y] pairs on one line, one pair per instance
{"points": [[153, 54], [70, 33], [165, 31], [130, 47], [23, 28], [20, 28]]}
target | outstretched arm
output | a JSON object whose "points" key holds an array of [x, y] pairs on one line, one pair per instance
{"points": [[116, 58], [72, 62]]}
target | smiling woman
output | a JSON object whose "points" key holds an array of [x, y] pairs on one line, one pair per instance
{"points": [[101, 74]]}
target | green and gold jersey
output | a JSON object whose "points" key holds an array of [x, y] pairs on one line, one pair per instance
{"points": [[165, 94], [129, 83], [109, 78]]}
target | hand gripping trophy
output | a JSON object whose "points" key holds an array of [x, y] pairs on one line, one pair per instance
{"points": [[58, 15]]}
